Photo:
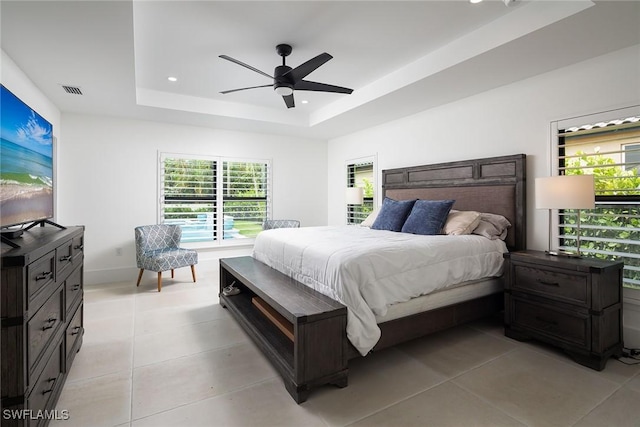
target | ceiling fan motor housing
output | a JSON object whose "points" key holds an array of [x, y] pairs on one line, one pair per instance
{"points": [[281, 78]]}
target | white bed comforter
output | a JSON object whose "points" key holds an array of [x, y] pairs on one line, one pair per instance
{"points": [[368, 270]]}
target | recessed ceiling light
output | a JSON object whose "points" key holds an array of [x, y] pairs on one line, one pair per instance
{"points": [[474, 1], [304, 101], [172, 79]]}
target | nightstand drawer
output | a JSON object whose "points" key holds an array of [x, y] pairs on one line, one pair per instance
{"points": [[552, 283], [570, 327]]}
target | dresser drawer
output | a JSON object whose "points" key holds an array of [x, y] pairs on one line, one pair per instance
{"points": [[47, 384], [567, 326], [44, 325], [64, 259], [553, 283], [74, 334], [73, 288], [41, 274]]}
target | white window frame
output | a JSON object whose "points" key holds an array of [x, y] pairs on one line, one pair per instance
{"points": [[219, 241], [623, 147], [373, 159]]}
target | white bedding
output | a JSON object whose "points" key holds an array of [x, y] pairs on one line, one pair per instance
{"points": [[368, 270]]}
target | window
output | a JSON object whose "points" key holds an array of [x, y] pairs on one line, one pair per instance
{"points": [[360, 174], [214, 198], [631, 156], [610, 152]]}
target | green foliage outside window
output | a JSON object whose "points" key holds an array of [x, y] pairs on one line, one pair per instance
{"points": [[608, 231], [191, 196]]}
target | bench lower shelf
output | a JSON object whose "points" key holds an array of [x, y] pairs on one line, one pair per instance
{"points": [[315, 352]]}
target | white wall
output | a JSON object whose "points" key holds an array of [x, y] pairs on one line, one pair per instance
{"points": [[508, 120], [108, 175]]}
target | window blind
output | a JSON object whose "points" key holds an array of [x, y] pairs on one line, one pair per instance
{"points": [[245, 197], [611, 152], [214, 198], [360, 175]]}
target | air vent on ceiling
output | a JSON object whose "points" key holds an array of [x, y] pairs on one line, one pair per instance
{"points": [[72, 89]]}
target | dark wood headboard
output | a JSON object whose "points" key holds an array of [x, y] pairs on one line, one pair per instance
{"points": [[494, 185]]}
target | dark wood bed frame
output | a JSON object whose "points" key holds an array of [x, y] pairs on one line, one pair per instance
{"points": [[317, 350]]}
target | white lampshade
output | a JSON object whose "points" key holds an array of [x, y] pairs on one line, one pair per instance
{"points": [[354, 195], [565, 192]]}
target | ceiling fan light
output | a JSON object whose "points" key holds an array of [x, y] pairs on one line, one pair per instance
{"points": [[284, 90]]}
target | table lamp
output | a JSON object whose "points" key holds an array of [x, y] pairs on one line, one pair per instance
{"points": [[354, 195], [565, 192]]}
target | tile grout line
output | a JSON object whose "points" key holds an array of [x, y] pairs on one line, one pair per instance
{"points": [[133, 354], [444, 381]]}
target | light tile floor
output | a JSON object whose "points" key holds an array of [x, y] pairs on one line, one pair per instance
{"points": [[176, 358]]}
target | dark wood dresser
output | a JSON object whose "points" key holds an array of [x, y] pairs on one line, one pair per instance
{"points": [[41, 305], [572, 303]]}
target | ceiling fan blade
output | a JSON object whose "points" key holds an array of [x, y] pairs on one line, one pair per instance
{"points": [[303, 70], [289, 101], [244, 88], [320, 87], [228, 58]]}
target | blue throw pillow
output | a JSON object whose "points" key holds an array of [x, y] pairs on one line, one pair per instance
{"points": [[427, 217], [392, 214]]}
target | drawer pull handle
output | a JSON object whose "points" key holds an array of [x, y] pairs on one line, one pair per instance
{"points": [[44, 275], [51, 380], [49, 323], [75, 287], [79, 247], [544, 282], [76, 330], [65, 258]]}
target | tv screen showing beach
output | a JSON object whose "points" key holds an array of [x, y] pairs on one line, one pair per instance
{"points": [[26, 163]]}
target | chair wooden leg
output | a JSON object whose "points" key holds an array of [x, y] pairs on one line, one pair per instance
{"points": [[140, 276], [159, 281], [193, 272], [172, 273]]}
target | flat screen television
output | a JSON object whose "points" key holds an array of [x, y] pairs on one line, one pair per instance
{"points": [[26, 163]]}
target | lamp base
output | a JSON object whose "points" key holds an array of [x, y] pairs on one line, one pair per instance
{"points": [[563, 254]]}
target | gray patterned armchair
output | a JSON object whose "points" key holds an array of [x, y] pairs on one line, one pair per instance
{"points": [[157, 250], [280, 223]]}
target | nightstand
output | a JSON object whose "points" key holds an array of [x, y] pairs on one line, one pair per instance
{"points": [[572, 303]]}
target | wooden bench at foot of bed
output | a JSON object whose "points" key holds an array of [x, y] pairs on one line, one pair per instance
{"points": [[273, 308]]}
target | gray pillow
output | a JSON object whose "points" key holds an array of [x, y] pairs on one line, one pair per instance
{"points": [[392, 214], [427, 217]]}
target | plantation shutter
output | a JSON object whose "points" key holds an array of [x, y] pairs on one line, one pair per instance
{"points": [[611, 152], [245, 191], [212, 198], [188, 197], [360, 175]]}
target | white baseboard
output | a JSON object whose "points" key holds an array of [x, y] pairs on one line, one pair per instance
{"points": [[206, 258]]}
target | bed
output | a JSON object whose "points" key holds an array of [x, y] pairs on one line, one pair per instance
{"points": [[492, 185]]}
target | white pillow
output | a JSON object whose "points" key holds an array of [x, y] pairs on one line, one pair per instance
{"points": [[461, 222], [492, 226], [368, 222]]}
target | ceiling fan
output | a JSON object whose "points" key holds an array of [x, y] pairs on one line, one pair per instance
{"points": [[287, 79]]}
